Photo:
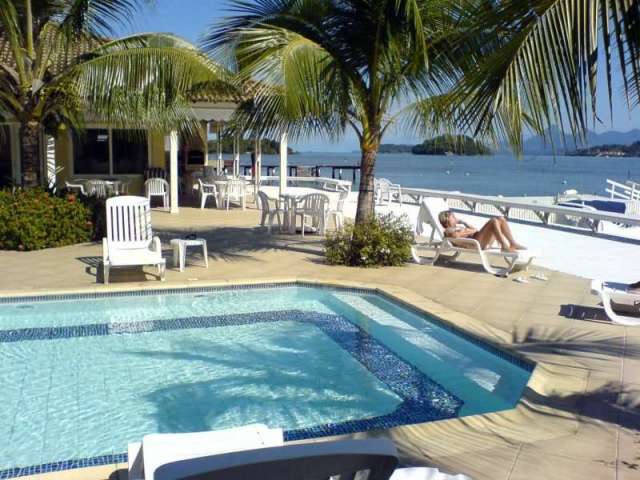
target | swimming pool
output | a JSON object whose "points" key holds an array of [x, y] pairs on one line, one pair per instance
{"points": [[84, 375]]}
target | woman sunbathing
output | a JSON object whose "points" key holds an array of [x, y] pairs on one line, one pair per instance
{"points": [[495, 229]]}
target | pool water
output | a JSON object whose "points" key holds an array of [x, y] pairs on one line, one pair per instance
{"points": [[82, 377]]}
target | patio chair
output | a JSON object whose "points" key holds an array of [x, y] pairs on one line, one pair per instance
{"points": [[76, 187], [130, 240], [338, 213], [207, 190], [269, 212], [235, 191], [313, 207], [157, 187], [439, 244], [386, 192], [97, 188], [616, 296]]}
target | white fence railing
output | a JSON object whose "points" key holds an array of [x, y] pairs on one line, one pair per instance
{"points": [[523, 210], [321, 183], [624, 191]]}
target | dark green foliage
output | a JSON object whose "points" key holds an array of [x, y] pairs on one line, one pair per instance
{"points": [[376, 242], [33, 219], [458, 144]]}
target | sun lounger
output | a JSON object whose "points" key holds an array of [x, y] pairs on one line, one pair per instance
{"points": [[130, 240], [616, 296], [439, 245], [156, 450], [345, 459]]}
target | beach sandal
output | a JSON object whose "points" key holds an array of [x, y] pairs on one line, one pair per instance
{"points": [[521, 280]]}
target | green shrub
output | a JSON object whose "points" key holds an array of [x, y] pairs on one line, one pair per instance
{"points": [[33, 219], [379, 241]]}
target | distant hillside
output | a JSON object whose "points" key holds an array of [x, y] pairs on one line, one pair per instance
{"points": [[394, 148], [611, 150], [562, 143], [456, 144]]}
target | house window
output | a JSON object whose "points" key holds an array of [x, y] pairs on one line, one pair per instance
{"points": [[110, 152], [5, 155]]}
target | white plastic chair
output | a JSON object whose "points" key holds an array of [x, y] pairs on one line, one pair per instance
{"points": [[235, 191], [338, 214], [617, 294], [207, 190], [386, 192], [313, 207], [130, 240], [439, 244], [269, 212], [79, 187], [157, 187], [97, 188]]}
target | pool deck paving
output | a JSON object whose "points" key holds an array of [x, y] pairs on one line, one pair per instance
{"points": [[578, 418]]}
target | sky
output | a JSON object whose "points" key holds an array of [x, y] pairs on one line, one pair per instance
{"points": [[190, 19]]}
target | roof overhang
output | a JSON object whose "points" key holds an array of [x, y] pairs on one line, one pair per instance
{"points": [[214, 112]]}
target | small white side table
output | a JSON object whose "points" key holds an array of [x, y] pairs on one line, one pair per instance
{"points": [[180, 245]]}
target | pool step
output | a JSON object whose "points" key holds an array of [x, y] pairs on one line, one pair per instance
{"points": [[421, 347]]}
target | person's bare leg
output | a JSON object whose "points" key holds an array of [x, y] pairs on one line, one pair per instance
{"points": [[506, 231], [490, 232]]}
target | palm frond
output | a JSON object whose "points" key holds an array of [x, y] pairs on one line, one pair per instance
{"points": [[543, 68]]}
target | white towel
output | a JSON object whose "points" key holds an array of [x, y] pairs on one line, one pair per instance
{"points": [[424, 473]]}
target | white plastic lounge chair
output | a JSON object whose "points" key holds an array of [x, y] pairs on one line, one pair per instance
{"points": [[160, 449], [130, 240], [617, 294], [438, 244], [157, 187], [313, 208], [207, 190], [372, 459], [269, 212]]}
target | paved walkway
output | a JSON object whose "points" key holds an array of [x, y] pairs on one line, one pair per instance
{"points": [[580, 421]]}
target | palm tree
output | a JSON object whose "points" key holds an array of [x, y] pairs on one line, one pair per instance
{"points": [[542, 63], [57, 62], [321, 66]]}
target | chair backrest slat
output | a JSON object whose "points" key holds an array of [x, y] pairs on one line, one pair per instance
{"points": [[156, 186], [129, 221]]}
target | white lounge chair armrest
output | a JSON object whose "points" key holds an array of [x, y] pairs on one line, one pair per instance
{"points": [[596, 287]]}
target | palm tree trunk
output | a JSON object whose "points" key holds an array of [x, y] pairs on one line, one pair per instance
{"points": [[30, 154], [366, 207]]}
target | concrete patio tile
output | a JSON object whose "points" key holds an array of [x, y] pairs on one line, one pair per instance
{"points": [[490, 464], [534, 464], [629, 461]]}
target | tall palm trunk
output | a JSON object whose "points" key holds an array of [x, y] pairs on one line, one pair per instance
{"points": [[366, 207], [30, 153]]}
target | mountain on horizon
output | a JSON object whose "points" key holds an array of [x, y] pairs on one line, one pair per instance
{"points": [[562, 143]]}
